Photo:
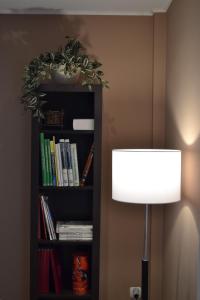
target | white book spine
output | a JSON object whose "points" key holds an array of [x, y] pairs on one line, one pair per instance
{"points": [[69, 162], [72, 230], [64, 163], [50, 221], [59, 165], [75, 170], [81, 234], [74, 238], [74, 226]]}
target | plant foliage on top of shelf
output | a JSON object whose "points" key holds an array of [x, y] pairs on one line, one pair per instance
{"points": [[72, 59]]}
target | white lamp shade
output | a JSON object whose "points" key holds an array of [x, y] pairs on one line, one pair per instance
{"points": [[149, 176]]}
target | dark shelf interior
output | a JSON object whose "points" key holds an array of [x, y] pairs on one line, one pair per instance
{"points": [[70, 205], [75, 106]]}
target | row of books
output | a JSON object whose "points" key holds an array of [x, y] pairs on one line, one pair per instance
{"points": [[74, 230], [49, 270], [70, 230], [59, 162]]}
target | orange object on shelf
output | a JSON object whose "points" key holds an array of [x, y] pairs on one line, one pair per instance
{"points": [[80, 274]]}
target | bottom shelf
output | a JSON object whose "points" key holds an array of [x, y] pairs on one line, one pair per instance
{"points": [[65, 295]]}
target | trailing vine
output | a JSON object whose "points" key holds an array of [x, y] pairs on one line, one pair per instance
{"points": [[72, 59]]}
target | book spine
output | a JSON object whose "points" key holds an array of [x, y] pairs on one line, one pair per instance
{"points": [[43, 271], [75, 170], [66, 238], [56, 270], [39, 221], [69, 162], [50, 164], [87, 166], [46, 218], [56, 161], [50, 220], [64, 162], [43, 222], [76, 234], [59, 273], [43, 162], [59, 165], [47, 160], [53, 163], [72, 230]]}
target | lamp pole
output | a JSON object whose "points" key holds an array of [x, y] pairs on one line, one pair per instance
{"points": [[145, 260]]}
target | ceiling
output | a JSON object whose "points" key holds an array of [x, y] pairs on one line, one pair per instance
{"points": [[87, 7]]}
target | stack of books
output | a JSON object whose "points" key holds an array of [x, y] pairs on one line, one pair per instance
{"points": [[59, 162], [75, 230]]}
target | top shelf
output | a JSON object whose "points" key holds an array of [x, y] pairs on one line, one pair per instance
{"points": [[68, 88], [54, 131]]}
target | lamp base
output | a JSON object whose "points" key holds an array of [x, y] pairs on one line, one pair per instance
{"points": [[145, 264]]}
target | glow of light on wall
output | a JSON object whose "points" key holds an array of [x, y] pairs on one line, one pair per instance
{"points": [[183, 242], [186, 113]]}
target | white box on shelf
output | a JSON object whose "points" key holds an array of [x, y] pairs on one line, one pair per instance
{"points": [[83, 124]]}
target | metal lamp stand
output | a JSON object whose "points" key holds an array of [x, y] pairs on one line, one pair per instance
{"points": [[145, 260]]}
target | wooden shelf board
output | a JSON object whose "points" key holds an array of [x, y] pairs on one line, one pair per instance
{"points": [[66, 132], [65, 295], [66, 188], [53, 86], [63, 242]]}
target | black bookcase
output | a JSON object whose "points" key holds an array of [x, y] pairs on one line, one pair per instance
{"points": [[69, 203]]}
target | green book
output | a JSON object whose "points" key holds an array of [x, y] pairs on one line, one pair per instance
{"points": [[47, 160], [43, 161]]}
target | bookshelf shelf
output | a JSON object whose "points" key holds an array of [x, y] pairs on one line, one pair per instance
{"points": [[66, 188], [65, 295], [66, 132], [51, 261], [58, 243]]}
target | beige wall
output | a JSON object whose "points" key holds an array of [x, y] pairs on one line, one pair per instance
{"points": [[131, 109], [181, 256]]}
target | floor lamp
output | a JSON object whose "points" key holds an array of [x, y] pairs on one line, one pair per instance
{"points": [[148, 176]]}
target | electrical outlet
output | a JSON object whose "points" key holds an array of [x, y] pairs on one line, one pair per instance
{"points": [[135, 292]]}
